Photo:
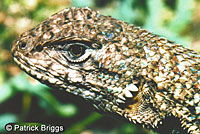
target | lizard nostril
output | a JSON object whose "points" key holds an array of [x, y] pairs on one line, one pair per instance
{"points": [[22, 45]]}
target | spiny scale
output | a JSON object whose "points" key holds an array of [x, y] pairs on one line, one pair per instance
{"points": [[121, 68]]}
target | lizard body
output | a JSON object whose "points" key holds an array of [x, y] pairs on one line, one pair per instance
{"points": [[120, 68]]}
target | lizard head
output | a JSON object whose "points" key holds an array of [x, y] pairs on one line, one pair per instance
{"points": [[90, 55]]}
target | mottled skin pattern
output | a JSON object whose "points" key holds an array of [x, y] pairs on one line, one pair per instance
{"points": [[120, 68]]}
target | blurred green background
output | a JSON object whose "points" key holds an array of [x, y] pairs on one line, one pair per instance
{"points": [[23, 99]]}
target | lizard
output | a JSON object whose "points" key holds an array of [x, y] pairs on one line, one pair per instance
{"points": [[121, 68]]}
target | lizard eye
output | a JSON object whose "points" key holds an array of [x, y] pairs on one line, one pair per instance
{"points": [[77, 52]]}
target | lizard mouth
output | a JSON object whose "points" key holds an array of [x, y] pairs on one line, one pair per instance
{"points": [[88, 92], [37, 73], [47, 78]]}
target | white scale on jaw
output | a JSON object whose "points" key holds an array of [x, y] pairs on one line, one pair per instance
{"points": [[126, 92]]}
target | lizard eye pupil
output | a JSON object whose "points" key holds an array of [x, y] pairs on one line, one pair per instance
{"points": [[76, 50]]}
